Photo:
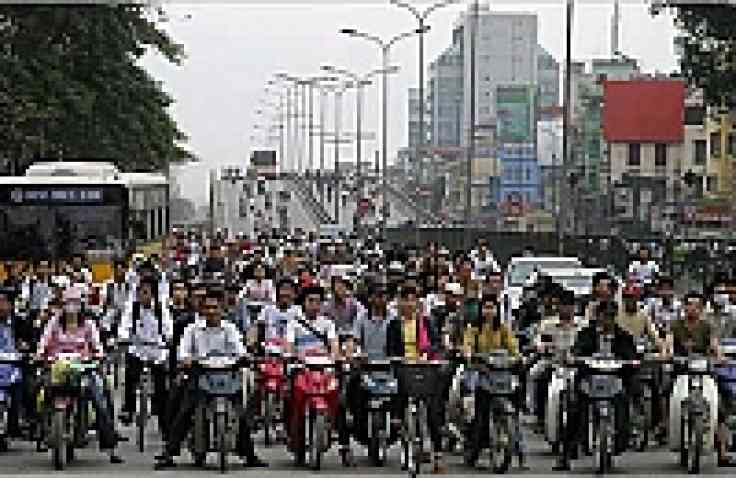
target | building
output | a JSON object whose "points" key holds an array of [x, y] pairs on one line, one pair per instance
{"points": [[549, 157], [505, 53], [520, 179], [548, 77], [446, 97]]}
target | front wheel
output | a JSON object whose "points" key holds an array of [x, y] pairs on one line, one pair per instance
{"points": [[377, 439], [222, 441], [142, 419], [501, 445], [58, 430], [268, 418], [603, 453], [695, 448], [317, 434]]}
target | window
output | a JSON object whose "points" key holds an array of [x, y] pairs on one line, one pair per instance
{"points": [[711, 184], [528, 174], [715, 145], [660, 155], [634, 154], [731, 144], [700, 151]]}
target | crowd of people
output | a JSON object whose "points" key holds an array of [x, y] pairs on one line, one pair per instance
{"points": [[340, 297]]}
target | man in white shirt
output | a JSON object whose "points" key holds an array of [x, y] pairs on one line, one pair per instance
{"points": [[147, 325], [202, 339], [312, 333]]}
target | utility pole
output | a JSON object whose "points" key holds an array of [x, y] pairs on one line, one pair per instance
{"points": [[336, 197], [322, 101], [567, 111], [470, 153]]}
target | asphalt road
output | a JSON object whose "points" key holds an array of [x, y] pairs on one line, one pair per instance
{"points": [[23, 460]]}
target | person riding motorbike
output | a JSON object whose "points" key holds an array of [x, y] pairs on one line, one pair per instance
{"points": [[277, 316], [72, 332], [201, 339], [644, 269], [259, 288], [692, 334], [664, 308], [622, 347], [342, 308], [8, 345]]}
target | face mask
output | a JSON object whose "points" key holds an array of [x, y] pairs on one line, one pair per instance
{"points": [[72, 308]]}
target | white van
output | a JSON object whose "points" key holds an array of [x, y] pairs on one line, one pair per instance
{"points": [[521, 269]]}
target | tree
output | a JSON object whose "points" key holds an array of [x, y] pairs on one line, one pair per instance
{"points": [[71, 86], [708, 47]]}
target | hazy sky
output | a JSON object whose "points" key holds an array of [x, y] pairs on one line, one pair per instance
{"points": [[234, 48]]}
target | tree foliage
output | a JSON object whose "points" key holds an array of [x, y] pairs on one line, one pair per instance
{"points": [[71, 86], [708, 46]]}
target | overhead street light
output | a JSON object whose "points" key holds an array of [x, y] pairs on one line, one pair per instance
{"points": [[385, 47]]}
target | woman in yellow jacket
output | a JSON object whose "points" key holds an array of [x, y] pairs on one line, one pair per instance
{"points": [[489, 333]]}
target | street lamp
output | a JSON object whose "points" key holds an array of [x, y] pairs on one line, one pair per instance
{"points": [[385, 46], [421, 17], [360, 82]]}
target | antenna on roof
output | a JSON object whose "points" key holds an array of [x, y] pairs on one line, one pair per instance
{"points": [[615, 24]]}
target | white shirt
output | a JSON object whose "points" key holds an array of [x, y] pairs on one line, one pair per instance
{"points": [[260, 290], [644, 272], [146, 329], [200, 341], [661, 314], [304, 340]]}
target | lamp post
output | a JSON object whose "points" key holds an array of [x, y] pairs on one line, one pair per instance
{"points": [[385, 46], [360, 82], [421, 17]]}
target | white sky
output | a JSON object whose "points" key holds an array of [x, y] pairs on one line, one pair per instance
{"points": [[234, 48]]}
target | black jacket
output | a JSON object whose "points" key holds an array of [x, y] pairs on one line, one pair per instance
{"points": [[588, 342], [395, 337]]}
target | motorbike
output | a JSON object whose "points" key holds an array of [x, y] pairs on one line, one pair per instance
{"points": [[218, 380], [314, 401], [271, 380], [600, 387], [726, 375], [68, 415], [695, 411], [496, 376], [10, 376], [642, 409], [379, 388]]}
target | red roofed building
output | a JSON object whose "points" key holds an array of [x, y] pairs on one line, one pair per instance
{"points": [[644, 111]]}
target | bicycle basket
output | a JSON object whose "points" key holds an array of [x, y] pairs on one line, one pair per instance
{"points": [[223, 383], [601, 387], [420, 380], [498, 382], [380, 383]]}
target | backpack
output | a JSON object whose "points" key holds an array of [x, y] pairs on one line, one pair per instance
{"points": [[137, 316]]}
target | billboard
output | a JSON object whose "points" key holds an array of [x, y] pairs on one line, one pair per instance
{"points": [[515, 110]]}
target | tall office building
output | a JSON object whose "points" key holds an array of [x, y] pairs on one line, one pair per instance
{"points": [[446, 97], [505, 53]]}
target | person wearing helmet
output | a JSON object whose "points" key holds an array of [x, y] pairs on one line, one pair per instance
{"points": [[70, 332]]}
